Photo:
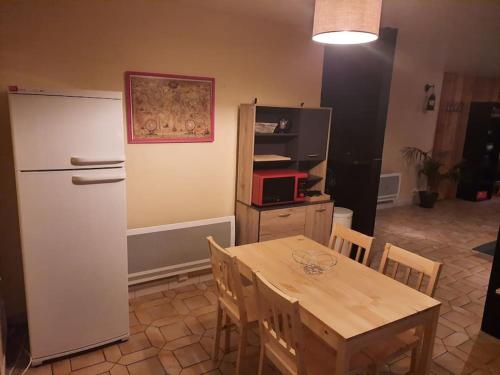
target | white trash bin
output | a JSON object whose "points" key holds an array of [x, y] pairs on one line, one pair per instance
{"points": [[343, 216]]}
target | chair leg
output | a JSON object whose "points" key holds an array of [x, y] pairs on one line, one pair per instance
{"points": [[261, 358], [242, 346], [413, 364], [218, 329], [227, 337]]}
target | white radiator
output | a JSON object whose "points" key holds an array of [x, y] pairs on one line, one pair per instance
{"points": [[388, 188], [173, 249]]}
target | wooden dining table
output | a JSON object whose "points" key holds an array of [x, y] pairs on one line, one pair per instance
{"points": [[350, 306]]}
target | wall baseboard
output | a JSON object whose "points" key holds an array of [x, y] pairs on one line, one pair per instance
{"points": [[397, 203]]}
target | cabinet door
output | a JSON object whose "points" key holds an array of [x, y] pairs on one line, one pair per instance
{"points": [[313, 130], [319, 222], [281, 223]]}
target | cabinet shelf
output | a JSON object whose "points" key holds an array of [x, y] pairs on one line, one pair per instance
{"points": [[277, 135], [313, 179], [270, 158]]}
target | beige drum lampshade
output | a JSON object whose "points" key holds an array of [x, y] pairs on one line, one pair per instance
{"points": [[346, 21]]}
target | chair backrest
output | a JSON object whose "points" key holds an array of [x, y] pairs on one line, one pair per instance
{"points": [[280, 327], [412, 264], [228, 280], [362, 243]]}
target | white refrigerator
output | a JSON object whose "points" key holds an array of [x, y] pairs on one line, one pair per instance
{"points": [[70, 176]]}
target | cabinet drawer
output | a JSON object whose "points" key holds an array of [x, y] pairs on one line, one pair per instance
{"points": [[319, 222], [282, 223]]}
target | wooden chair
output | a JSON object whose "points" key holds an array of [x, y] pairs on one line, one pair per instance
{"points": [[290, 346], [412, 269], [362, 243], [235, 302]]}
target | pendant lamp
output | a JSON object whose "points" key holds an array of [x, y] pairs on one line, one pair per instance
{"points": [[346, 21]]}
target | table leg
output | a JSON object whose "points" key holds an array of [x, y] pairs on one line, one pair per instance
{"points": [[429, 332], [342, 363]]}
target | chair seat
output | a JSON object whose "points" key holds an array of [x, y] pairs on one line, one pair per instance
{"points": [[321, 358], [393, 347]]}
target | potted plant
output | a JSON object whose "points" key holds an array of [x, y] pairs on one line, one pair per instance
{"points": [[431, 169]]}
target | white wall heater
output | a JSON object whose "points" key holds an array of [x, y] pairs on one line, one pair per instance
{"points": [[389, 187], [173, 249]]}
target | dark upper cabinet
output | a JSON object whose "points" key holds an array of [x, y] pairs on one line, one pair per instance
{"points": [[313, 131]]}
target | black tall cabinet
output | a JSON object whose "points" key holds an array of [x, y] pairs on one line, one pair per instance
{"points": [[479, 170], [356, 84]]}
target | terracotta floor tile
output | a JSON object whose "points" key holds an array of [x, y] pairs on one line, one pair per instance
{"points": [[112, 353], [200, 368], [119, 370], [40, 370], [169, 362], [150, 366], [190, 355], [162, 311], [194, 325], [87, 359], [138, 356], [132, 319], [96, 369], [174, 331], [455, 339], [208, 320], [189, 294], [135, 343], [62, 367], [155, 336], [182, 342], [196, 302]]}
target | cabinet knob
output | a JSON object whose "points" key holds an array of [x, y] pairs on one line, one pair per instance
{"points": [[321, 210], [312, 155], [284, 215]]}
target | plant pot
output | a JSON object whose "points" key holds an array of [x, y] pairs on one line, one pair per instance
{"points": [[427, 199]]}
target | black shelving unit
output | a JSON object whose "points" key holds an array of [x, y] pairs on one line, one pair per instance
{"points": [[481, 151]]}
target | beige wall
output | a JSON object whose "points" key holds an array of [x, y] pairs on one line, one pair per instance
{"points": [[433, 37], [88, 44]]}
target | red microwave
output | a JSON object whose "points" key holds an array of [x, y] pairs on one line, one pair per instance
{"points": [[278, 186]]}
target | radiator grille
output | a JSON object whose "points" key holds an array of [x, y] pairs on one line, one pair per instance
{"points": [[168, 250], [388, 189]]}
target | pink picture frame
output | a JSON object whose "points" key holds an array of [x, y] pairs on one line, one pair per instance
{"points": [[169, 108]]}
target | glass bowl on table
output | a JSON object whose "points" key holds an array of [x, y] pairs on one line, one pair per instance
{"points": [[314, 262]]}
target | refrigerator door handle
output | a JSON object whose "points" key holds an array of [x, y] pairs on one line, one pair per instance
{"points": [[96, 161], [87, 180]]}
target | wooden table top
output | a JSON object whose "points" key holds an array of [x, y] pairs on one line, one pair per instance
{"points": [[350, 298]]}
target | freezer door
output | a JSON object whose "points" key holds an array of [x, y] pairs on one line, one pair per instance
{"points": [[62, 132], [73, 235]]}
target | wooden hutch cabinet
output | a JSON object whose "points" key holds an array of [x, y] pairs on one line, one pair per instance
{"points": [[303, 147]]}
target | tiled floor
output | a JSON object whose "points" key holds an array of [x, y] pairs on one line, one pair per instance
{"points": [[172, 330]]}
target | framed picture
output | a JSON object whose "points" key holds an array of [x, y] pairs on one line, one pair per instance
{"points": [[169, 108]]}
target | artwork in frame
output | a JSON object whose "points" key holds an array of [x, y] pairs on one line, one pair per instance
{"points": [[164, 108]]}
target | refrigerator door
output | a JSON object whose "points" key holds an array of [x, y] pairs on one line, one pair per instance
{"points": [[73, 234], [66, 132]]}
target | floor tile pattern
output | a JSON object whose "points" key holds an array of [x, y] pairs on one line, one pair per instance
{"points": [[172, 330]]}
